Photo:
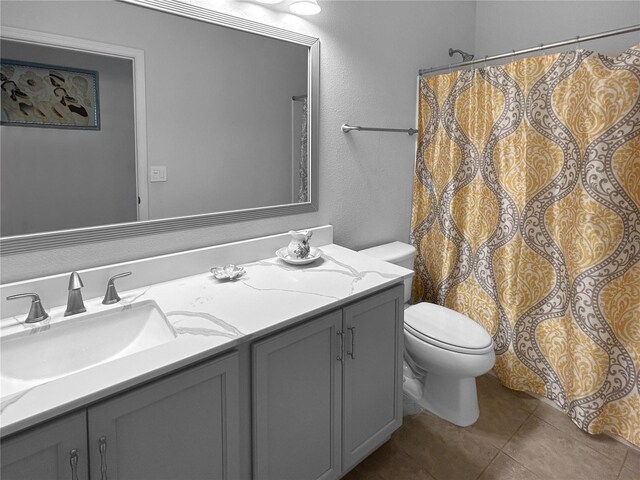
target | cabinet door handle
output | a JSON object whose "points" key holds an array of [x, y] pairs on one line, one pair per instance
{"points": [[352, 353], [340, 356], [102, 446], [73, 461]]}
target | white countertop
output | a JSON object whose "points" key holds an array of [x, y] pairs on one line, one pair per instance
{"points": [[210, 317]]}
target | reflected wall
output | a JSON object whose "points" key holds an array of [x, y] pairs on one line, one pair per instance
{"points": [[218, 114]]}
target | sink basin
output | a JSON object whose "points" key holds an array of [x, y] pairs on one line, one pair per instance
{"points": [[33, 357]]}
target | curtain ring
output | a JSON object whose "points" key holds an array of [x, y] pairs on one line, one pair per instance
{"points": [[541, 47], [578, 41], [513, 55], [485, 61]]}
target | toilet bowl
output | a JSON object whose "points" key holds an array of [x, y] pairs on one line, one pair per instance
{"points": [[444, 350]]}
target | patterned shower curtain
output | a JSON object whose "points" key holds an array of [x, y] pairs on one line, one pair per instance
{"points": [[303, 163], [526, 219]]}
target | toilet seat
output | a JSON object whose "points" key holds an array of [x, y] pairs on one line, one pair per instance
{"points": [[447, 329]]}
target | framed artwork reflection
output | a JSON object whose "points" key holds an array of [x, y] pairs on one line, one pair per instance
{"points": [[37, 95]]}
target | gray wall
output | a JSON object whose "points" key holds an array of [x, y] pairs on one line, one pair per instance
{"points": [[503, 26], [370, 55], [218, 111], [54, 179]]}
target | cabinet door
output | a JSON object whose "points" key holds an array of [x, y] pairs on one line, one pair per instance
{"points": [[296, 405], [56, 450], [372, 373], [182, 427]]}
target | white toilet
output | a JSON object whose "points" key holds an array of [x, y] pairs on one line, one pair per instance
{"points": [[444, 350]]}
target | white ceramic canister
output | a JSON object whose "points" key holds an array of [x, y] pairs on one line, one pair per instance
{"points": [[299, 245]]}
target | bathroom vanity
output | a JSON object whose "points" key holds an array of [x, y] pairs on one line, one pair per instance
{"points": [[286, 372], [182, 426]]}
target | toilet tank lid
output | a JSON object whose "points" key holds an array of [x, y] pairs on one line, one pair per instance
{"points": [[393, 252]]}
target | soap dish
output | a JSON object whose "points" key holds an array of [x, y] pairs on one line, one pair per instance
{"points": [[228, 272], [314, 254]]}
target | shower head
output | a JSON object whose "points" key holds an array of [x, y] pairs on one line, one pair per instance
{"points": [[465, 56]]}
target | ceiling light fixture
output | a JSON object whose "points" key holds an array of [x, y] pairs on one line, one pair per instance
{"points": [[305, 7]]}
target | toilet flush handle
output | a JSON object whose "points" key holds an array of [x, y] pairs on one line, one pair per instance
{"points": [[352, 353]]}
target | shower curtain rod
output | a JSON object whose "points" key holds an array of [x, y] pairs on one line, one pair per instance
{"points": [[595, 36]]}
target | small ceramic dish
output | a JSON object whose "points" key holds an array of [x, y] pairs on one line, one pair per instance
{"points": [[228, 272], [314, 254]]}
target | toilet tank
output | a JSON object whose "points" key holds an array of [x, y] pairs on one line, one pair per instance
{"points": [[398, 253]]}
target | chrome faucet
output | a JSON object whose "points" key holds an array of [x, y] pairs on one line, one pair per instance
{"points": [[111, 295], [37, 313], [74, 300]]}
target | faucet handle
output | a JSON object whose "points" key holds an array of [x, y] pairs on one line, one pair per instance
{"points": [[111, 295], [37, 312]]}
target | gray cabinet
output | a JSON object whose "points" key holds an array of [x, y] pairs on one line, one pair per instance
{"points": [[182, 427], [185, 426], [327, 393], [372, 384], [54, 451], [297, 378]]}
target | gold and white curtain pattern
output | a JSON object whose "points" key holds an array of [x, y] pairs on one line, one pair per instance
{"points": [[526, 219]]}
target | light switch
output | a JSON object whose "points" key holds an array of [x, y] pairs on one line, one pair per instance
{"points": [[158, 173]]}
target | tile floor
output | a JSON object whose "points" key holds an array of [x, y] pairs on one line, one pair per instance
{"points": [[517, 437]]}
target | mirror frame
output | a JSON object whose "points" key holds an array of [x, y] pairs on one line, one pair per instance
{"points": [[64, 238]]}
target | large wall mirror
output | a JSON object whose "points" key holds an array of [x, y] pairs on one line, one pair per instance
{"points": [[130, 117]]}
